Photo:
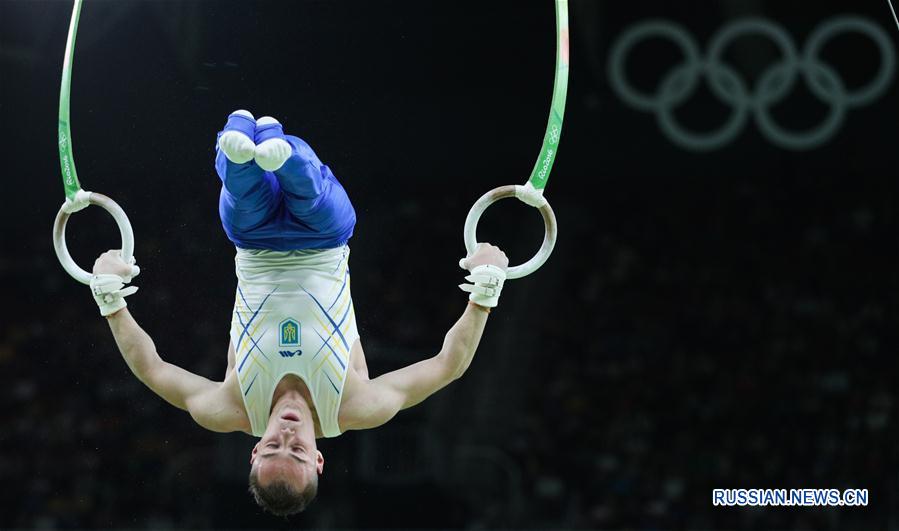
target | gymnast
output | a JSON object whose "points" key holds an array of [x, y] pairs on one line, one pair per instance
{"points": [[296, 370]]}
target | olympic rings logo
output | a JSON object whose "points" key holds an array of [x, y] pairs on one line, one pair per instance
{"points": [[772, 87], [554, 134]]}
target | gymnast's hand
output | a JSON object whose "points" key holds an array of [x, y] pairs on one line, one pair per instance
{"points": [[111, 273], [111, 263], [485, 253], [488, 266]]}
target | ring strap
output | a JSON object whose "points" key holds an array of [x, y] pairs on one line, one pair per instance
{"points": [[76, 198], [540, 173], [532, 192], [66, 159]]}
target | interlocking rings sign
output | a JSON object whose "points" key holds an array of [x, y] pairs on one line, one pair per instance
{"points": [[773, 86]]}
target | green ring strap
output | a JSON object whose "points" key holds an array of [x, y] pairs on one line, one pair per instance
{"points": [[66, 159], [543, 167], [76, 199]]}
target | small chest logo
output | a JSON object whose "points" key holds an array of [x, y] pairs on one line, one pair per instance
{"points": [[289, 333]]}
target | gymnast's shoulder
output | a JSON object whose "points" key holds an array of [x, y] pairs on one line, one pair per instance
{"points": [[220, 409]]}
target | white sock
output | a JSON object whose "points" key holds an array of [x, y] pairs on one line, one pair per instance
{"points": [[273, 153], [238, 147]]}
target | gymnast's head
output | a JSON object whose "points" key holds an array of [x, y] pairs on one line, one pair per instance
{"points": [[285, 464]]}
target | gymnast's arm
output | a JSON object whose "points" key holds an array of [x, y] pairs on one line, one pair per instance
{"points": [[379, 400], [178, 387]]}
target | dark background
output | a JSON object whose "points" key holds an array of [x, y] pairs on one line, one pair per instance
{"points": [[708, 320]]}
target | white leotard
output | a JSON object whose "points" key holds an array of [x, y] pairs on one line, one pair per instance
{"points": [[293, 314]]}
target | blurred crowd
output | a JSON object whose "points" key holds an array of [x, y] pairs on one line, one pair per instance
{"points": [[635, 373]]}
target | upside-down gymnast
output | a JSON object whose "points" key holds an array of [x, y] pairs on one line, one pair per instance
{"points": [[296, 369]]}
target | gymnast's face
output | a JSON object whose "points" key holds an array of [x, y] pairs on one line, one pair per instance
{"points": [[287, 451]]}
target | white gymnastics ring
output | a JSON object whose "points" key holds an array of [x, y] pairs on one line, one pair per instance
{"points": [[59, 235], [526, 195]]}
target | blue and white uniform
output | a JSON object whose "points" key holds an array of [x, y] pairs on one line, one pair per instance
{"points": [[293, 311], [293, 314], [299, 206]]}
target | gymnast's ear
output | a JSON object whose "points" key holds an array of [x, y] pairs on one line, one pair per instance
{"points": [[319, 461], [253, 453]]}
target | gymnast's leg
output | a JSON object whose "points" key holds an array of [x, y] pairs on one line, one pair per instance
{"points": [[250, 197], [312, 195]]}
